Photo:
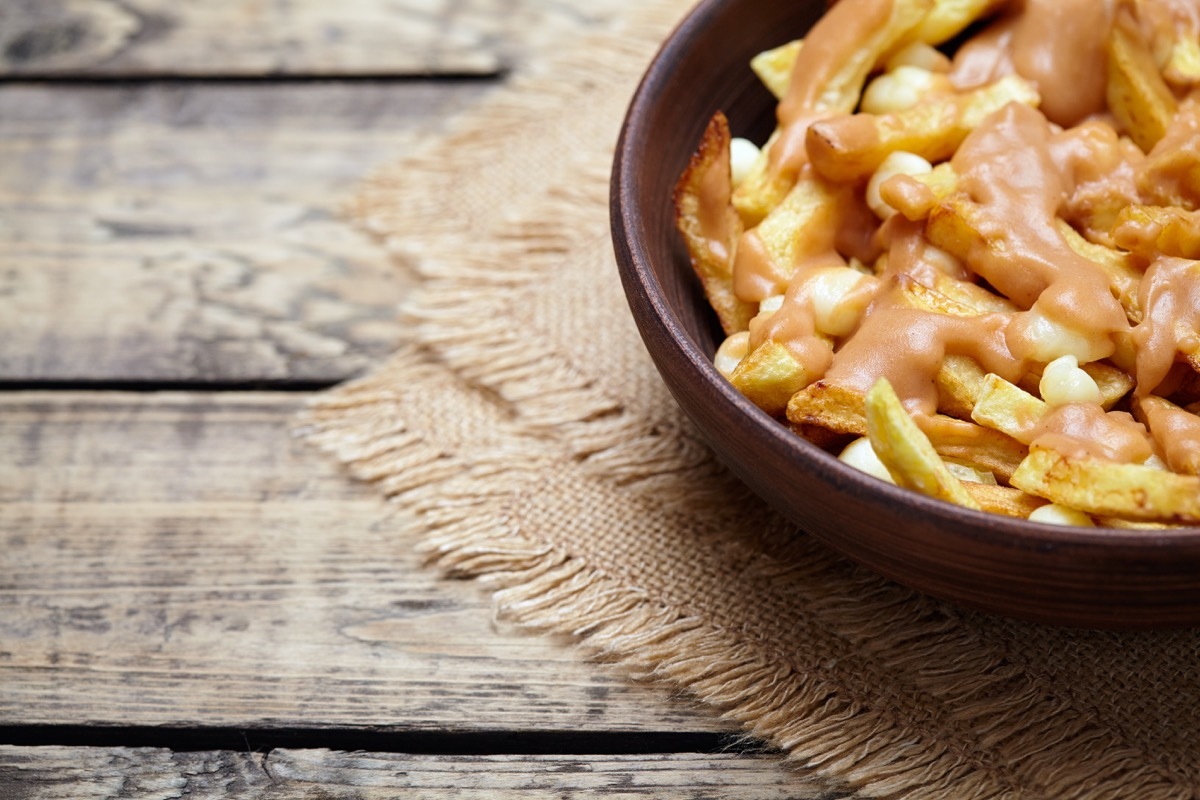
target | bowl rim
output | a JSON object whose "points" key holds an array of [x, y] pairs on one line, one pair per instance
{"points": [[637, 275]]}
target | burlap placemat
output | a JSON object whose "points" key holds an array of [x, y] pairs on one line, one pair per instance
{"points": [[528, 431]]}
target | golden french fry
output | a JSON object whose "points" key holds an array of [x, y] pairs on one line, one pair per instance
{"points": [[774, 67], [1174, 426], [829, 406], [1123, 276], [805, 224], [948, 18], [1153, 230], [1138, 96], [711, 237], [959, 382], [972, 296], [1174, 41], [1170, 174], [975, 445], [952, 296], [914, 294], [906, 451], [1113, 383], [852, 146], [769, 376], [1182, 69], [1007, 408], [1003, 499], [1109, 489]]}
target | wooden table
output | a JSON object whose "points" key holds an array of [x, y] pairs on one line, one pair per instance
{"points": [[191, 601]]}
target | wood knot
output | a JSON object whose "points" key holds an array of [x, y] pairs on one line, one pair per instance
{"points": [[45, 41]]}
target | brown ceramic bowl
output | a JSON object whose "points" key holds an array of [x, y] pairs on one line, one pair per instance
{"points": [[1073, 576]]}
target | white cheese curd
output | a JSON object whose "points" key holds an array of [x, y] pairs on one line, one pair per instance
{"points": [[833, 313], [1054, 514], [899, 89], [860, 455], [743, 154], [1053, 339], [1064, 382], [920, 54], [901, 162], [965, 472], [731, 352]]}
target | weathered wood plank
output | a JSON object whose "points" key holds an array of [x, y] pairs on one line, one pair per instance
{"points": [[177, 559], [191, 232], [101, 39], [309, 37], [75, 773]]}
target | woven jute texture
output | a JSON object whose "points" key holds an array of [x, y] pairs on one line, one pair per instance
{"points": [[527, 430]]}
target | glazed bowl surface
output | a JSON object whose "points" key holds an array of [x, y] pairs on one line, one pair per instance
{"points": [[1090, 577]]}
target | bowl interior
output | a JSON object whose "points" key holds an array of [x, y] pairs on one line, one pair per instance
{"points": [[1091, 577]]}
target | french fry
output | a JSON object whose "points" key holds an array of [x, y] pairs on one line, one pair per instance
{"points": [[915, 294], [1176, 426], [805, 224], [774, 67], [976, 445], [906, 451], [1152, 230], [1123, 276], [1105, 488], [829, 406], [972, 296], [952, 296], [949, 18], [1174, 41], [959, 383], [1138, 96], [1170, 175], [1182, 69], [1112, 382], [712, 242], [1003, 499], [769, 376], [852, 146], [1007, 408]]}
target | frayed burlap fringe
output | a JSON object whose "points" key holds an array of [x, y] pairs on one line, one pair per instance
{"points": [[581, 500]]}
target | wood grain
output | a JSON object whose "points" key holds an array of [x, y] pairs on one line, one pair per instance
{"points": [[177, 559], [121, 39], [72, 773], [310, 37], [181, 232]]}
